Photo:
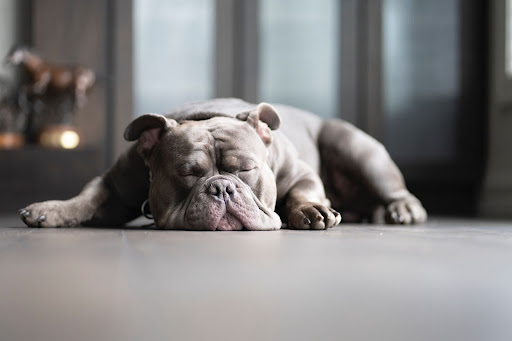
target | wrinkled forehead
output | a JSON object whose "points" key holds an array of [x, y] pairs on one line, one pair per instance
{"points": [[216, 137], [235, 133]]}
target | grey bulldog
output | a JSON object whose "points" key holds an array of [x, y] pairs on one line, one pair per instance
{"points": [[223, 165]]}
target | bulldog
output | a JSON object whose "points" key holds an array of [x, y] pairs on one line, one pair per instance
{"points": [[226, 164]]}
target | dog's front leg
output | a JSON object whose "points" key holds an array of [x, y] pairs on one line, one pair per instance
{"points": [[306, 204], [65, 213], [109, 200]]}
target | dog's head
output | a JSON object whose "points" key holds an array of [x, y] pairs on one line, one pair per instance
{"points": [[210, 174]]}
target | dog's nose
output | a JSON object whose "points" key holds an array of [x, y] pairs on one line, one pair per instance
{"points": [[221, 188]]}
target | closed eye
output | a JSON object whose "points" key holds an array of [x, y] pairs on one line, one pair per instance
{"points": [[246, 173], [193, 172], [248, 169]]}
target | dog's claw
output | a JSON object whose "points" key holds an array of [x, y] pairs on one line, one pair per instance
{"points": [[394, 216], [25, 213], [307, 221], [41, 219]]}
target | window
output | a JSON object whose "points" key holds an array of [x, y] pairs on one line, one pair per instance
{"points": [[421, 74], [299, 54], [173, 53]]}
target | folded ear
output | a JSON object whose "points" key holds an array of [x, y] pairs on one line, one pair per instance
{"points": [[147, 129], [264, 119]]}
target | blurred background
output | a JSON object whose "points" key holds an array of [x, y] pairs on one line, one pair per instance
{"points": [[431, 79]]}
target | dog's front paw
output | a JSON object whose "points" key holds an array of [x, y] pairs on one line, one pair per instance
{"points": [[49, 214], [313, 216], [408, 210]]}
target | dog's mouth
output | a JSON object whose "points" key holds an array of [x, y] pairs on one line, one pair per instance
{"points": [[226, 216], [229, 223], [223, 204]]}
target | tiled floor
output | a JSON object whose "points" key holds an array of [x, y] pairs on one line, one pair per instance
{"points": [[450, 279]]}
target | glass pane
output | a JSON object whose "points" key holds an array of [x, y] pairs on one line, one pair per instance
{"points": [[508, 39], [299, 54], [173, 57], [421, 75]]}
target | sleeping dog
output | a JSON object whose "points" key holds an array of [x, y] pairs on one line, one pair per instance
{"points": [[226, 164]]}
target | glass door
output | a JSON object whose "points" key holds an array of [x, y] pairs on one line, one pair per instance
{"points": [[299, 57], [434, 97], [421, 69], [173, 53]]}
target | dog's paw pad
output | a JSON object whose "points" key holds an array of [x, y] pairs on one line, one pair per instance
{"points": [[313, 216]]}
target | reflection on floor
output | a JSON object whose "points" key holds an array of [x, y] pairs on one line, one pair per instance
{"points": [[450, 279]]}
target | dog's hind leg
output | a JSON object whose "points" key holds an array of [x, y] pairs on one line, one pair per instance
{"points": [[349, 153]]}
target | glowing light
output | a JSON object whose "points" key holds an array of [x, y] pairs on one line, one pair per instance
{"points": [[69, 139], [59, 136]]}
